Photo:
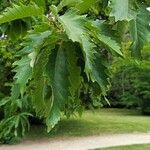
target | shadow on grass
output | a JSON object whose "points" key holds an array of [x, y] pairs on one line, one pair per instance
{"points": [[104, 121], [65, 128]]}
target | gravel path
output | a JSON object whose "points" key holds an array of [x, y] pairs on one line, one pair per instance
{"points": [[85, 143]]}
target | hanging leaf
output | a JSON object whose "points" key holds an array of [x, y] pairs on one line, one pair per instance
{"points": [[94, 68], [88, 51], [58, 74], [19, 12], [73, 103], [74, 70], [140, 31], [40, 3], [23, 74], [73, 24], [85, 5], [100, 73], [39, 82], [123, 9], [108, 38], [111, 44]]}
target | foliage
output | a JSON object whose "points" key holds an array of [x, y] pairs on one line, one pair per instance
{"points": [[6, 60], [131, 84], [15, 120], [139, 29], [67, 46]]}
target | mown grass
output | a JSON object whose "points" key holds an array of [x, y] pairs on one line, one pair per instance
{"points": [[131, 147], [103, 121]]}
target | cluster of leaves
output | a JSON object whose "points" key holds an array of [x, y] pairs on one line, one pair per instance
{"points": [[13, 114], [15, 119], [6, 60], [68, 47]]}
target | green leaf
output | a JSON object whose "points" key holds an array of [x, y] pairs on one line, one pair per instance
{"points": [[73, 24], [17, 29], [73, 103], [123, 9], [100, 73], [109, 43], [37, 40], [88, 51], [23, 72], [20, 11], [94, 68], [23, 67], [43, 42], [4, 101], [85, 5], [140, 31], [40, 3], [58, 74], [105, 36], [38, 95], [74, 70]]}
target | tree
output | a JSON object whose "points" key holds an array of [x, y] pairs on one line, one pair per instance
{"points": [[66, 45]]}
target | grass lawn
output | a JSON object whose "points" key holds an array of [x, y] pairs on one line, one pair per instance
{"points": [[132, 147], [103, 121]]}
